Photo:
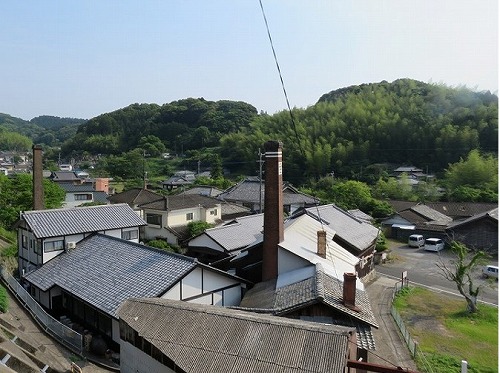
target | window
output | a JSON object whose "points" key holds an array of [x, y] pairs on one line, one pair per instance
{"points": [[130, 235], [213, 212], [83, 197], [53, 246], [153, 219], [38, 247], [189, 216], [25, 242]]}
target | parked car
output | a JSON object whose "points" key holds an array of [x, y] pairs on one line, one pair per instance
{"points": [[433, 244], [490, 271], [416, 240]]}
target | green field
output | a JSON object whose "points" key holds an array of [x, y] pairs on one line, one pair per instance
{"points": [[446, 334]]}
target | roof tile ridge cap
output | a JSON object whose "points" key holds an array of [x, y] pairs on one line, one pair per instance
{"points": [[319, 277]]}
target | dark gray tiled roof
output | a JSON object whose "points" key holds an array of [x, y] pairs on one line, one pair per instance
{"points": [[104, 271], [248, 190], [72, 188], [181, 201], [216, 339], [76, 220], [135, 197], [493, 215], [320, 288]]}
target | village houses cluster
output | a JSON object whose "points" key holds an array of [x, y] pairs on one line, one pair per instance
{"points": [[278, 284]]}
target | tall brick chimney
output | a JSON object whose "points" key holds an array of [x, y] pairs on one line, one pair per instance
{"points": [[273, 209], [349, 294], [38, 197], [322, 244]]}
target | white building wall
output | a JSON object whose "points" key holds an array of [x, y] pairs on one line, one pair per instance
{"points": [[133, 360], [191, 286], [205, 241], [289, 262]]}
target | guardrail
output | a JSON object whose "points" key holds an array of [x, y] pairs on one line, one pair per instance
{"points": [[63, 333]]}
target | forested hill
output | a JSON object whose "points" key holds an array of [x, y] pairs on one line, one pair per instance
{"points": [[47, 130], [403, 122], [181, 125]]}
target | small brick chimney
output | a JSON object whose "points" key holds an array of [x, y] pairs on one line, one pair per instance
{"points": [[349, 295], [322, 244], [38, 196], [273, 209]]}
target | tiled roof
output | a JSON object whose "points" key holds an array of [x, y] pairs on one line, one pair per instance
{"points": [[203, 190], [248, 191], [216, 339], [360, 234], [135, 197], [64, 176], [75, 188], [181, 201], [430, 214], [493, 215], [104, 271], [63, 222], [311, 286], [462, 209]]}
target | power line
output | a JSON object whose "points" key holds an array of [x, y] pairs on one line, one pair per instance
{"points": [[281, 78]]}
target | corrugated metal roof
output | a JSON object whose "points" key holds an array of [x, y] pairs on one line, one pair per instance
{"points": [[104, 271], [239, 234], [76, 220], [359, 234], [216, 339]]}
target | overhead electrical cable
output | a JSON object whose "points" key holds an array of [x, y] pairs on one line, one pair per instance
{"points": [[281, 79]]}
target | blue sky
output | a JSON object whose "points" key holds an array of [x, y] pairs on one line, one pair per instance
{"points": [[85, 58]]}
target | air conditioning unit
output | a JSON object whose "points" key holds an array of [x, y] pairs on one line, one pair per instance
{"points": [[70, 245]]}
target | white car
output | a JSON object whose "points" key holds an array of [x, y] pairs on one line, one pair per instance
{"points": [[434, 244], [490, 271]]}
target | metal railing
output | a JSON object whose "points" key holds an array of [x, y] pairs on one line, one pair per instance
{"points": [[410, 342], [61, 332]]}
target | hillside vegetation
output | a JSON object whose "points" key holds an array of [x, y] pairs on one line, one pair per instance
{"points": [[404, 122], [351, 133]]}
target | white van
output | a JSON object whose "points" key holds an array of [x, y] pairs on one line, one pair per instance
{"points": [[434, 244], [490, 271], [416, 240]]}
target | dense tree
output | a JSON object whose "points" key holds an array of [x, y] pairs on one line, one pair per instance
{"points": [[14, 141], [16, 194], [476, 171], [152, 146]]}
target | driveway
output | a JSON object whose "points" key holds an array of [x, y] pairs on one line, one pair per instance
{"points": [[421, 269]]}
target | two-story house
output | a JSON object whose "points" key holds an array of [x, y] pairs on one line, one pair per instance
{"points": [[44, 234], [168, 217]]}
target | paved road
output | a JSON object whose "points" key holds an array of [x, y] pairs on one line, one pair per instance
{"points": [[421, 268]]}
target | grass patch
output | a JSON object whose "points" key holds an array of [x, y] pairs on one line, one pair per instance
{"points": [[4, 300], [446, 334]]}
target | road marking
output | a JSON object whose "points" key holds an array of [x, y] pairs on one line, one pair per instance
{"points": [[438, 290]]}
